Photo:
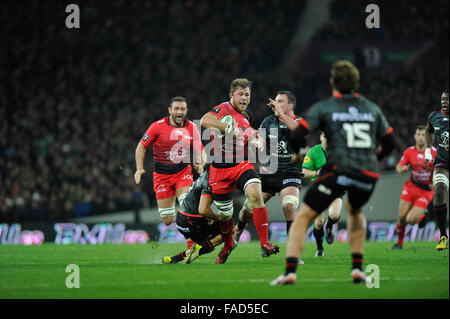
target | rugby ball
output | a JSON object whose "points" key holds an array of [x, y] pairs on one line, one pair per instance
{"points": [[228, 120]]}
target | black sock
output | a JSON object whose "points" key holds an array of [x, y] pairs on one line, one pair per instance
{"points": [[241, 225], [318, 235], [207, 247], [179, 257], [288, 225], [291, 265], [357, 260], [441, 218], [331, 222]]}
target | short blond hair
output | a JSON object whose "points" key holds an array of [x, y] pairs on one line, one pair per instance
{"points": [[239, 82]]}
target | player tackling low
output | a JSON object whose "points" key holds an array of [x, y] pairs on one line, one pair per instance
{"points": [[173, 139], [231, 168], [196, 221], [438, 124], [417, 192], [352, 125]]}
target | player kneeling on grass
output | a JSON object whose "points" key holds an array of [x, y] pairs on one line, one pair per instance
{"points": [[196, 220]]}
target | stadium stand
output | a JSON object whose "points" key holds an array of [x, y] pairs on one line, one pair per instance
{"points": [[74, 103]]}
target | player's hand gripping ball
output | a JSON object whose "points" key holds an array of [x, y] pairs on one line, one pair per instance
{"points": [[231, 126]]}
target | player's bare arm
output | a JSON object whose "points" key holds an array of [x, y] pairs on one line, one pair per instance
{"points": [[204, 208], [310, 173], [139, 156], [285, 118], [429, 140], [199, 164], [210, 121], [257, 141], [401, 169]]}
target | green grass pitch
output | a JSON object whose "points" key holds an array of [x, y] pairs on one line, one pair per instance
{"points": [[134, 271]]}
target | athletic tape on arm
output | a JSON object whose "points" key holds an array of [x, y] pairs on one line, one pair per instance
{"points": [[163, 212]]}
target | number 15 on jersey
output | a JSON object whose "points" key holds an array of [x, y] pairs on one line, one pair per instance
{"points": [[358, 135]]}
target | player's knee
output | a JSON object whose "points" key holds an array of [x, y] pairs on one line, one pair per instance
{"points": [[411, 219], [252, 190], [255, 199], [402, 219], [318, 222], [290, 202], [334, 214], [440, 190], [440, 182], [167, 220], [289, 210]]}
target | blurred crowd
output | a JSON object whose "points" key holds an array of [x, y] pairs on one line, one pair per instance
{"points": [[399, 20], [409, 93], [75, 102]]}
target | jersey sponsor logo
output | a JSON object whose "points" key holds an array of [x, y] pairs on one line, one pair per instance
{"points": [[353, 115], [183, 229], [161, 188], [420, 155], [282, 156], [145, 137], [324, 189], [216, 110], [292, 180], [177, 156], [307, 159], [445, 140], [421, 176], [282, 147]]}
